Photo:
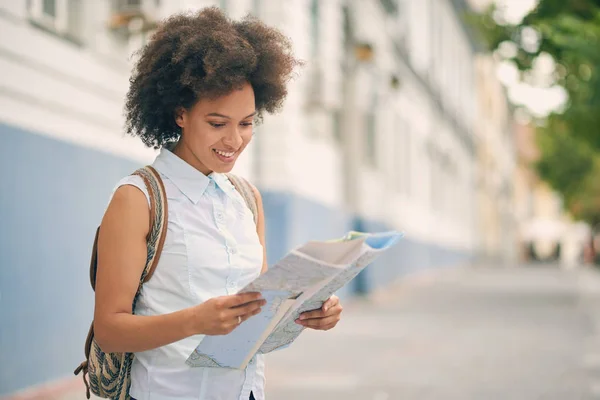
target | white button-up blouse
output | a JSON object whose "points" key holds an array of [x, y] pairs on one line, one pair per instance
{"points": [[211, 249]]}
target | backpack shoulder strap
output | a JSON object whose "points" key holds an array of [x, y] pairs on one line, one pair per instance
{"points": [[158, 219], [158, 225], [154, 241], [247, 190]]}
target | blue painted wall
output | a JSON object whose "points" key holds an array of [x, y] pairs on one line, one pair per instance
{"points": [[292, 220], [52, 199], [408, 256]]}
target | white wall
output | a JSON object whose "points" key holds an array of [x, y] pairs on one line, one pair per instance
{"points": [[57, 88], [298, 152], [497, 157], [439, 207], [76, 94]]}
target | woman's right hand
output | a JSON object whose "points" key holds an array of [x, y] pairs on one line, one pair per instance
{"points": [[221, 315]]}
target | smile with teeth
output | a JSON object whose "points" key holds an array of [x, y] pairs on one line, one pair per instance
{"points": [[224, 153]]}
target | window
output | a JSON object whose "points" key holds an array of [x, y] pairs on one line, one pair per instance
{"points": [[314, 28], [390, 6], [256, 6], [402, 156], [223, 5], [371, 139], [434, 175], [58, 16], [406, 164], [49, 8], [138, 40], [337, 116], [346, 28], [398, 163]]}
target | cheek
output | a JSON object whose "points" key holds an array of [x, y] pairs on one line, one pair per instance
{"points": [[200, 135], [247, 137]]}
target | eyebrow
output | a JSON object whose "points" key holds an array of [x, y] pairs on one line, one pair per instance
{"points": [[226, 117]]}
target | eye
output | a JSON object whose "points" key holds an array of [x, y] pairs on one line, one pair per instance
{"points": [[217, 124], [247, 124]]}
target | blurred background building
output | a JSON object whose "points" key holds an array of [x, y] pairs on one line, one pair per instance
{"points": [[496, 166], [396, 122], [545, 231]]}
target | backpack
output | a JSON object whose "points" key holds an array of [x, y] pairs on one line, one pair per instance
{"points": [[109, 373]]}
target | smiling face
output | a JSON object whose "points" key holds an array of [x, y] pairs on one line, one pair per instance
{"points": [[215, 132]]}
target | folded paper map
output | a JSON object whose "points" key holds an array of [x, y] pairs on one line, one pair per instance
{"points": [[301, 281]]}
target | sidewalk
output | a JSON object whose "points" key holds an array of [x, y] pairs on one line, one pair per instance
{"points": [[514, 333], [72, 388]]}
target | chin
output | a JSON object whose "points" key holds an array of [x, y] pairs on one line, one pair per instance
{"points": [[223, 169], [223, 165]]}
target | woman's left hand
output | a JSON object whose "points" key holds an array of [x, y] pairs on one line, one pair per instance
{"points": [[324, 318]]}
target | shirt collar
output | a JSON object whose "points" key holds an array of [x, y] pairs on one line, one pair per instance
{"points": [[223, 183], [191, 182]]}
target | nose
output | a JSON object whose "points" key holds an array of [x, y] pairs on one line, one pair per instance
{"points": [[233, 138]]}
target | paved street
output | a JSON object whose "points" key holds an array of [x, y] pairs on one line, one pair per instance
{"points": [[507, 333], [518, 333]]}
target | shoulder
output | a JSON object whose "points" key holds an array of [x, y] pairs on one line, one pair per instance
{"points": [[127, 212], [128, 202], [257, 195], [130, 198], [245, 188], [130, 188]]}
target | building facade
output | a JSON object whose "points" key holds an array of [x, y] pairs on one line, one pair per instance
{"points": [[496, 167], [378, 132], [546, 231]]}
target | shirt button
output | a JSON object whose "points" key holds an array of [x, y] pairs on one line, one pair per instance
{"points": [[232, 251]]}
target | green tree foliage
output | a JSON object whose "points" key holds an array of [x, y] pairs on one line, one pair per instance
{"points": [[574, 158], [569, 140]]}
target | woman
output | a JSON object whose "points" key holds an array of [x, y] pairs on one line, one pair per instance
{"points": [[195, 92]]}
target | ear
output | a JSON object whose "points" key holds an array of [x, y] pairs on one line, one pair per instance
{"points": [[180, 116]]}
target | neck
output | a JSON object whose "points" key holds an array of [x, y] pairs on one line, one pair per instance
{"points": [[183, 151]]}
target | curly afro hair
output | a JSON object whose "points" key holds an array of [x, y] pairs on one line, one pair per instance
{"points": [[204, 55]]}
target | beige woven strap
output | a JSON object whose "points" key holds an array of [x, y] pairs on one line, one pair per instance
{"points": [[159, 211], [109, 373], [246, 189]]}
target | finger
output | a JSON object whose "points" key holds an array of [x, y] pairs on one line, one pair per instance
{"points": [[242, 298], [238, 320], [312, 314], [337, 309], [319, 323], [240, 306], [248, 308], [331, 302], [249, 315]]}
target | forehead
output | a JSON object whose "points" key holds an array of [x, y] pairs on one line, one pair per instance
{"points": [[237, 104]]}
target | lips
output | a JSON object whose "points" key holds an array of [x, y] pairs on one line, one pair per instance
{"points": [[225, 153], [225, 156]]}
